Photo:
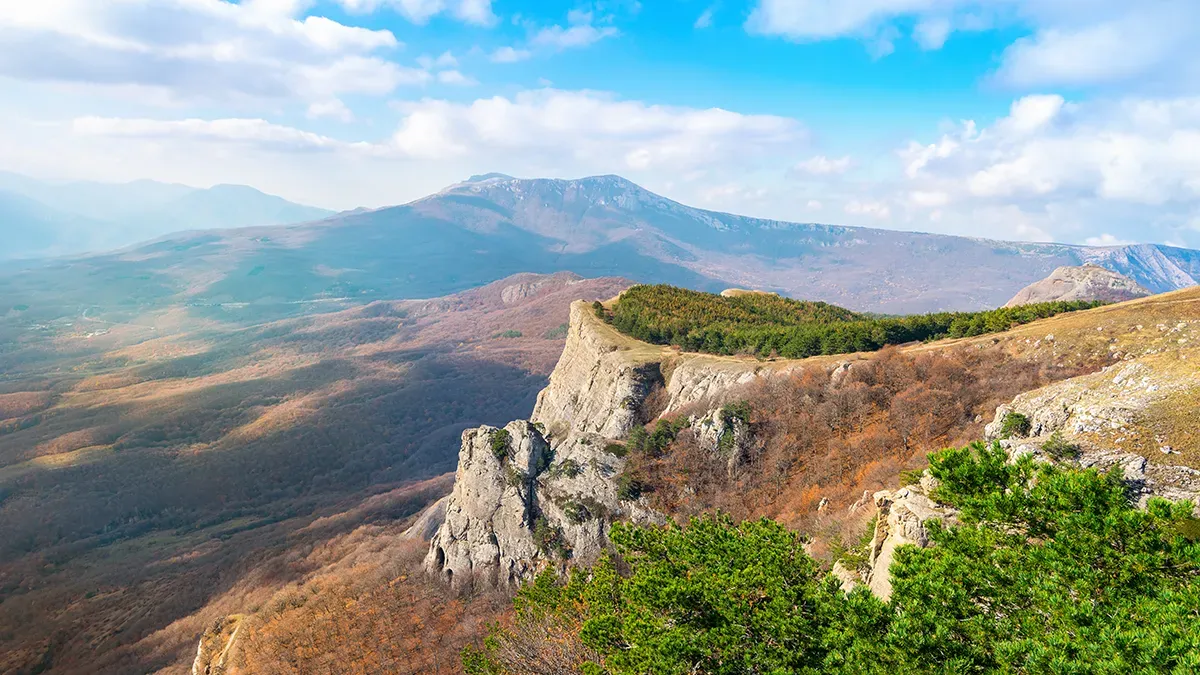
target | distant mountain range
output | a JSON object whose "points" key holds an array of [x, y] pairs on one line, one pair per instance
{"points": [[492, 226], [39, 218]]}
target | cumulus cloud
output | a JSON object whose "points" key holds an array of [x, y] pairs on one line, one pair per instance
{"points": [[873, 209], [1071, 42], [253, 132], [198, 49], [1139, 151], [510, 55], [445, 60], [705, 20], [332, 109], [1108, 240], [575, 131], [1130, 168], [591, 129], [580, 31], [477, 12], [456, 78]]}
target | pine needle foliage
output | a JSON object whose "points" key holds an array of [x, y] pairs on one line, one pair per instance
{"points": [[766, 324], [1052, 570]]}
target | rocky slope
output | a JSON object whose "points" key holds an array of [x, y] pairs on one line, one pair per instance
{"points": [[1136, 416], [556, 491], [503, 524], [1087, 282]]}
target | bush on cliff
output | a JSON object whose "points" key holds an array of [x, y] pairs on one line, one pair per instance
{"points": [[1052, 570]]}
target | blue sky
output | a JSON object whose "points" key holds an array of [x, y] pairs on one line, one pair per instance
{"points": [[1068, 120]]}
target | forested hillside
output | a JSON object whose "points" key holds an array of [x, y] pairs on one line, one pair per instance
{"points": [[1052, 571], [768, 325]]}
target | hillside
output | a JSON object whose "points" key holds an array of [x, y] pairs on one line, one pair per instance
{"points": [[489, 228], [162, 472], [40, 218], [629, 432], [808, 442]]}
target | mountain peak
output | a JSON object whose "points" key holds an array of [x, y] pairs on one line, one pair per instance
{"points": [[484, 177]]}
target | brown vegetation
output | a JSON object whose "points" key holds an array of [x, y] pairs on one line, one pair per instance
{"points": [[152, 482], [839, 437]]}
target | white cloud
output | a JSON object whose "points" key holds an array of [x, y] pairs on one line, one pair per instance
{"points": [[1139, 151], [510, 55], [821, 165], [446, 60], [254, 132], [1071, 42], [197, 49], [583, 128], [333, 109], [1143, 40], [456, 78], [564, 132], [934, 199], [705, 20], [477, 12], [932, 33], [1128, 168], [814, 205], [579, 32], [732, 194]]}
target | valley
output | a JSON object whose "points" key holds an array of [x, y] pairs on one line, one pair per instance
{"points": [[174, 465]]}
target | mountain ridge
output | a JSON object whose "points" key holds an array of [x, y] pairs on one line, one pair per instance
{"points": [[82, 217], [492, 226]]}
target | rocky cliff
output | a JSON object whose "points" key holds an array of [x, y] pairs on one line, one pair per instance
{"points": [[550, 499], [1087, 282], [1136, 416]]}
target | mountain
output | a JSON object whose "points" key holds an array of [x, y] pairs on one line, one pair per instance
{"points": [[861, 268], [1089, 282], [39, 218], [493, 226]]}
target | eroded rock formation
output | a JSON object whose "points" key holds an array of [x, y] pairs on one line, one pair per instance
{"points": [[1087, 282]]}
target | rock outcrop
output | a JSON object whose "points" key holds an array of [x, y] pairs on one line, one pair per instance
{"points": [[603, 381], [488, 527], [217, 645], [1135, 416], [901, 520], [1087, 282], [597, 387], [1127, 416], [724, 435], [517, 509], [551, 500]]}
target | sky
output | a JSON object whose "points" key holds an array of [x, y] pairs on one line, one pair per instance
{"points": [[1067, 120]]}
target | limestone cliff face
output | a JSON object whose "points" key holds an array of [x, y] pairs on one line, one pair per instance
{"points": [[901, 520], [1136, 416], [488, 527], [1088, 282], [552, 500], [603, 379], [215, 652], [598, 386], [509, 517]]}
